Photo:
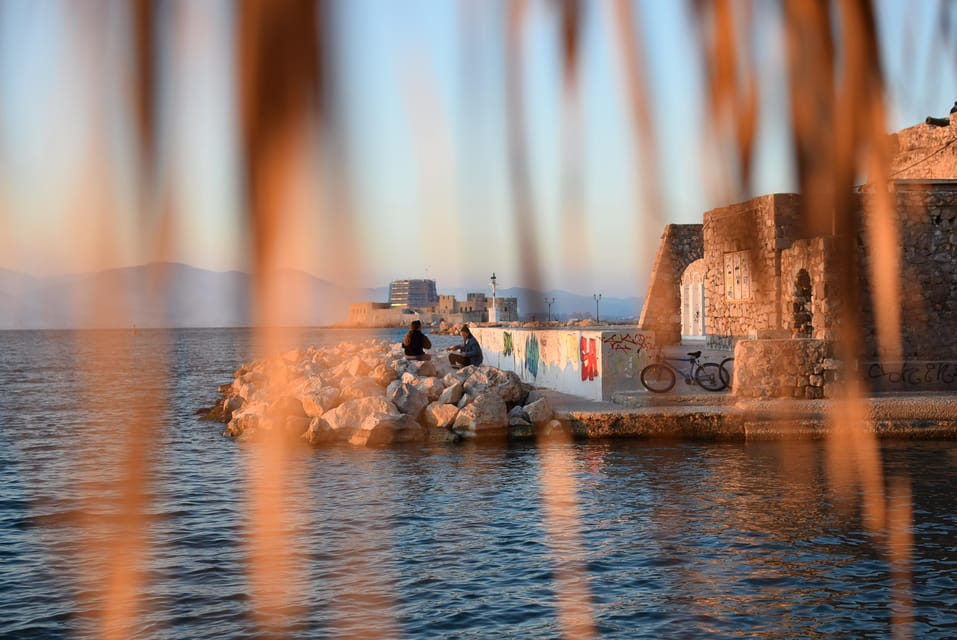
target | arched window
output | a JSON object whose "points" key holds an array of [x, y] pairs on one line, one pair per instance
{"points": [[803, 320]]}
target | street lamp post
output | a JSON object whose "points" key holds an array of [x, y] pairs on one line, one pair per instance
{"points": [[597, 298], [550, 302], [493, 312]]}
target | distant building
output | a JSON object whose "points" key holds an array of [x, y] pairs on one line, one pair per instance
{"points": [[475, 303], [416, 294], [506, 309], [418, 300], [380, 314]]}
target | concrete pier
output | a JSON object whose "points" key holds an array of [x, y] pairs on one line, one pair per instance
{"points": [[926, 415]]}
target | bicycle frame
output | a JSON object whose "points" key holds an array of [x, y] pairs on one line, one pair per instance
{"points": [[692, 372], [688, 374]]}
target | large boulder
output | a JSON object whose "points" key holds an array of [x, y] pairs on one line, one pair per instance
{"points": [[507, 384], [346, 418], [431, 387], [384, 428], [284, 407], [421, 368], [297, 426], [539, 411], [319, 432], [354, 367], [316, 403], [452, 393], [384, 374], [361, 387], [249, 384], [518, 418], [407, 398], [246, 419], [440, 415], [486, 416], [231, 405]]}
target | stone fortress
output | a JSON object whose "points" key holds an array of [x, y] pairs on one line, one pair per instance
{"points": [[418, 300], [750, 280]]}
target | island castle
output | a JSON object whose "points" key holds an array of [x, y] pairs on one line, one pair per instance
{"points": [[417, 300]]}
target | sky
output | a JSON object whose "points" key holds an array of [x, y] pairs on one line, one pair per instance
{"points": [[421, 84]]}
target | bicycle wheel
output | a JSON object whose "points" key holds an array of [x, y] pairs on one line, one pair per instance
{"points": [[708, 376], [727, 371], [657, 378]]}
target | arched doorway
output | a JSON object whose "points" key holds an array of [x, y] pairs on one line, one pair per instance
{"points": [[803, 315], [692, 300]]}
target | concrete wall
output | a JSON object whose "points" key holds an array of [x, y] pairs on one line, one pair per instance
{"points": [[590, 363]]}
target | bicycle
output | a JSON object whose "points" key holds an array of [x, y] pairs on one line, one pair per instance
{"points": [[660, 376], [726, 369]]}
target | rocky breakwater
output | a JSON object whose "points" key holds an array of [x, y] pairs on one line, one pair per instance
{"points": [[368, 394]]}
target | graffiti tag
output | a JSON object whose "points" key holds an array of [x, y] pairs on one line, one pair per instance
{"points": [[915, 374], [588, 351], [531, 356], [627, 341], [508, 347]]}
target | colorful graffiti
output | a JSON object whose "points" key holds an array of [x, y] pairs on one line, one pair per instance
{"points": [[532, 356], [627, 341], [508, 347], [588, 350], [570, 353]]}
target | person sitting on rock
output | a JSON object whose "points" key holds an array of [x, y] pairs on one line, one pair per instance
{"points": [[470, 348], [415, 343]]}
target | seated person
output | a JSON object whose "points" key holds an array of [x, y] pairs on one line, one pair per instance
{"points": [[415, 343], [471, 351]]}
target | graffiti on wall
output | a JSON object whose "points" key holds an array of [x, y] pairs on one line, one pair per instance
{"points": [[508, 346], [624, 358], [531, 356], [588, 349], [627, 341], [915, 375]]}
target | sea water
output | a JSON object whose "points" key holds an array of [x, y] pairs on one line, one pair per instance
{"points": [[646, 539]]}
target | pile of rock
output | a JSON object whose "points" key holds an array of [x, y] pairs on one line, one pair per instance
{"points": [[369, 394]]}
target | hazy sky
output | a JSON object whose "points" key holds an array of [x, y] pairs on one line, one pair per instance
{"points": [[422, 89]]}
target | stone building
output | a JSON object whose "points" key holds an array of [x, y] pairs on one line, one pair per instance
{"points": [[749, 273]]}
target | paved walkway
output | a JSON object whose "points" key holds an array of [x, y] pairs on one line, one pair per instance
{"points": [[723, 416]]}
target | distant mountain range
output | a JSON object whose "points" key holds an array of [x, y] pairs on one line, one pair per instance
{"points": [[178, 295]]}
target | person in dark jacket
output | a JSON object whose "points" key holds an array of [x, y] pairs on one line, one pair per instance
{"points": [[471, 351], [415, 343]]}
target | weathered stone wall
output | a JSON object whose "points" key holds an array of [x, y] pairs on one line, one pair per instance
{"points": [[745, 297], [925, 151], [927, 219], [681, 244], [817, 258], [803, 369]]}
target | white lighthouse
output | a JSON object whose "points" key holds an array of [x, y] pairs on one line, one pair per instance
{"points": [[492, 315]]}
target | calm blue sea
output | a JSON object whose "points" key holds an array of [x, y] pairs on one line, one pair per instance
{"points": [[647, 539]]}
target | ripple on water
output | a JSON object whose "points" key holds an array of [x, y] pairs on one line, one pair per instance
{"points": [[671, 540]]}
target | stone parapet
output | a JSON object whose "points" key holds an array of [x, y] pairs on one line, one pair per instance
{"points": [[791, 368]]}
